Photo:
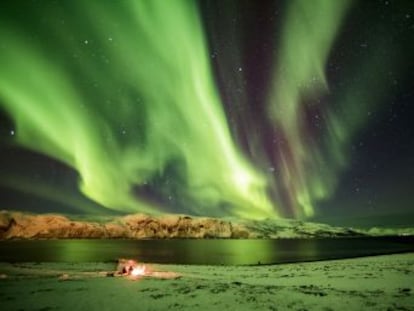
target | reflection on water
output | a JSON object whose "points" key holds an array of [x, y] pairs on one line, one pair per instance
{"points": [[214, 252]]}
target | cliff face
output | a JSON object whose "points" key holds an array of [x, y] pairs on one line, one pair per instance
{"points": [[19, 225], [16, 225]]}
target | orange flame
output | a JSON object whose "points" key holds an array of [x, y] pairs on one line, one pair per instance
{"points": [[138, 271]]}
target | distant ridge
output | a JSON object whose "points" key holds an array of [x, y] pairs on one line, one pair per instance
{"points": [[18, 225]]}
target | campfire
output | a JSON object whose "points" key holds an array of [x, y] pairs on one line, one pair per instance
{"points": [[132, 269], [139, 271], [127, 268]]}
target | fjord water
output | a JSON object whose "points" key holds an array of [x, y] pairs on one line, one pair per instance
{"points": [[211, 252]]}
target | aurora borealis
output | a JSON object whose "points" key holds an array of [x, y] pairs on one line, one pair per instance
{"points": [[202, 107]]}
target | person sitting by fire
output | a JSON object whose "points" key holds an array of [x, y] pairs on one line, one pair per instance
{"points": [[126, 266]]}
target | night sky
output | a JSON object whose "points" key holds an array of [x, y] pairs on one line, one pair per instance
{"points": [[251, 109]]}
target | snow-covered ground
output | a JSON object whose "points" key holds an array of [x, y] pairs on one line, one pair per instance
{"points": [[370, 283]]}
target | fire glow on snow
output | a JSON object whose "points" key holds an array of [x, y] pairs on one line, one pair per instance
{"points": [[133, 270]]}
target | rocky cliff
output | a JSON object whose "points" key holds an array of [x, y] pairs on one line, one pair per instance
{"points": [[139, 226], [17, 225]]}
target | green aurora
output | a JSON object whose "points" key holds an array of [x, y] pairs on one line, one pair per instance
{"points": [[125, 94], [301, 75], [311, 165]]}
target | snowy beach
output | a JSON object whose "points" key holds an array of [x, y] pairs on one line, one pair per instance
{"points": [[369, 283]]}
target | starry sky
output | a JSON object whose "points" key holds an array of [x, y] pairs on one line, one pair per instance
{"points": [[241, 108]]}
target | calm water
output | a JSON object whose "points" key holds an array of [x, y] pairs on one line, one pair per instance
{"points": [[213, 252]]}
